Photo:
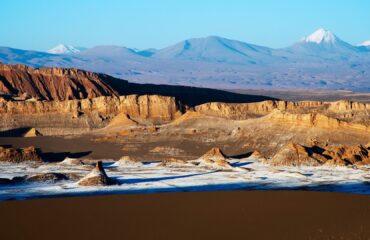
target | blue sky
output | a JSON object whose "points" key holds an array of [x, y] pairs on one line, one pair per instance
{"points": [[41, 24]]}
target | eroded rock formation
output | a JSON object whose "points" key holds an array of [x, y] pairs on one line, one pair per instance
{"points": [[42, 177], [294, 154], [32, 133], [214, 154], [97, 177], [17, 155], [127, 161], [214, 159]]}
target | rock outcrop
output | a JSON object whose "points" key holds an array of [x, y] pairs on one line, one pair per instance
{"points": [[214, 154], [47, 177], [127, 161], [42, 177], [258, 156], [97, 177], [17, 155], [122, 120], [71, 161], [214, 159], [294, 154], [32, 133], [346, 155]]}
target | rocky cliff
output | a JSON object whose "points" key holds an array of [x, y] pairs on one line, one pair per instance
{"points": [[340, 114], [315, 120], [52, 83], [96, 113], [76, 116], [246, 110]]}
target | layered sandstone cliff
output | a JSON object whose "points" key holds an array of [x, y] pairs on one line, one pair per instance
{"points": [[246, 110], [340, 114], [97, 112], [315, 120], [64, 117]]}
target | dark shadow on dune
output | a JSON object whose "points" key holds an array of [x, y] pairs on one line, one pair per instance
{"points": [[16, 132], [243, 155], [60, 156], [241, 164], [190, 96], [355, 188], [54, 156], [6, 146]]}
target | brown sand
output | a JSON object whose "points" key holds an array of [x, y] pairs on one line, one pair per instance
{"points": [[57, 148], [209, 215]]}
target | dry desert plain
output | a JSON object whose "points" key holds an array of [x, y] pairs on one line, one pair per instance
{"points": [[173, 152]]}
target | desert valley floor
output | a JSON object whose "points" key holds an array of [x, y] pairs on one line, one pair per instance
{"points": [[89, 153], [67, 132]]}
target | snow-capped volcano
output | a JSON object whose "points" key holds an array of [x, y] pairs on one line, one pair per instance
{"points": [[325, 44], [64, 49], [320, 36]]}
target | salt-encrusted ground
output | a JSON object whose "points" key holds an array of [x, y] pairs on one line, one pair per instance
{"points": [[247, 174]]}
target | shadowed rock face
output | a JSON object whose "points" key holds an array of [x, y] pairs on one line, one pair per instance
{"points": [[19, 155]]}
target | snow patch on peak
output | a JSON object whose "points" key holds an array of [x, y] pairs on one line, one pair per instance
{"points": [[364, 44], [320, 36], [63, 49]]}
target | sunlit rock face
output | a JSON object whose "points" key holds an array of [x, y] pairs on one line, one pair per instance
{"points": [[97, 177]]}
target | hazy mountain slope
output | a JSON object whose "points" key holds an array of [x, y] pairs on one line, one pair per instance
{"points": [[318, 61], [216, 49]]}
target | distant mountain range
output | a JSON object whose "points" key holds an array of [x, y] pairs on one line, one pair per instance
{"points": [[318, 61]]}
